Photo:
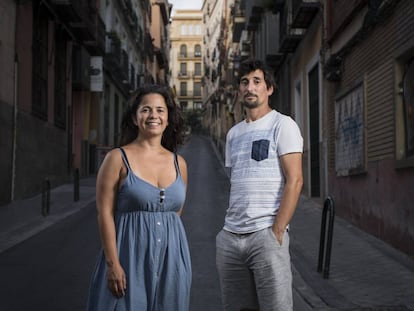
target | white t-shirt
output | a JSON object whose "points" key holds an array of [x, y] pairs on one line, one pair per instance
{"points": [[257, 181]]}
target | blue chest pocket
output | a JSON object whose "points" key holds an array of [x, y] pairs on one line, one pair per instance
{"points": [[260, 149]]}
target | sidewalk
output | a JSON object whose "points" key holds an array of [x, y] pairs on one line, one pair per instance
{"points": [[22, 219], [365, 273]]}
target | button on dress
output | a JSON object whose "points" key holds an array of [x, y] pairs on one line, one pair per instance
{"points": [[152, 248]]}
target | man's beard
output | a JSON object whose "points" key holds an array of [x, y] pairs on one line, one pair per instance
{"points": [[250, 104]]}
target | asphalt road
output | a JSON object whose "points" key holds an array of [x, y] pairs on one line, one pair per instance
{"points": [[203, 216], [51, 270]]}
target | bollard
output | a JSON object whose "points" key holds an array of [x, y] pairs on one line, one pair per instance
{"points": [[76, 185], [325, 254], [46, 197]]}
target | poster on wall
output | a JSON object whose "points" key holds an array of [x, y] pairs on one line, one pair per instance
{"points": [[349, 132], [96, 74]]}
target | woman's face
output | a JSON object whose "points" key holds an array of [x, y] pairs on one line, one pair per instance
{"points": [[151, 116]]}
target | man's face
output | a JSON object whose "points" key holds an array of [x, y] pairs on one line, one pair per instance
{"points": [[253, 90]]}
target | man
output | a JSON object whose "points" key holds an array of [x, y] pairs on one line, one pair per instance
{"points": [[264, 152]]}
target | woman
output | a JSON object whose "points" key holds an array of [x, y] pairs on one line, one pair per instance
{"points": [[140, 191]]}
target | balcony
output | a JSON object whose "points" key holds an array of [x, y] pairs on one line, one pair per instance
{"points": [[197, 74], [124, 64], [161, 57], [184, 75], [290, 37], [113, 50], [238, 25], [96, 46], [245, 49], [149, 47], [184, 94], [188, 56], [116, 60], [84, 21], [290, 40], [303, 12], [70, 10]]}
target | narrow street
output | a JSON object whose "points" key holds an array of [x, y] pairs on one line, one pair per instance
{"points": [[51, 270]]}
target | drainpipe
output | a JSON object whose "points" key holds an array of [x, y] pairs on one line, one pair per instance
{"points": [[14, 139]]}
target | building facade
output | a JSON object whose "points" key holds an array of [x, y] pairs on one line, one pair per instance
{"points": [[215, 13], [186, 57], [369, 103], [69, 68], [344, 73]]}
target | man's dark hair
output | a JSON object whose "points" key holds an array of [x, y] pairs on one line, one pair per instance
{"points": [[250, 65]]}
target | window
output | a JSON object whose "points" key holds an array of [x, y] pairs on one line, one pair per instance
{"points": [[404, 112], [198, 30], [183, 89], [40, 63], [197, 50], [197, 69], [197, 88], [183, 69], [183, 50], [184, 30], [408, 101]]}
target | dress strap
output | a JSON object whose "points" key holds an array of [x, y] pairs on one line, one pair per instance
{"points": [[124, 158], [177, 167]]}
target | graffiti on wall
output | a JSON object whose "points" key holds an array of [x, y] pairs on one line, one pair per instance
{"points": [[349, 136]]}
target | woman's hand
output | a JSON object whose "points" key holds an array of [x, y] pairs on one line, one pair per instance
{"points": [[116, 280]]}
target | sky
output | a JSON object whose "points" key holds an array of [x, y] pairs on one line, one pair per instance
{"points": [[186, 4]]}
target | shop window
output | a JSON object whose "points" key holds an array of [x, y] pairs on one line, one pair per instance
{"points": [[408, 107], [404, 112]]}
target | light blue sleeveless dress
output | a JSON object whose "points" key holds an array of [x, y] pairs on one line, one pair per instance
{"points": [[152, 246]]}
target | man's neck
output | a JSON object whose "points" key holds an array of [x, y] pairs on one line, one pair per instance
{"points": [[257, 113]]}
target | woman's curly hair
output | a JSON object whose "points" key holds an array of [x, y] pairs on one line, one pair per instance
{"points": [[173, 134]]}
